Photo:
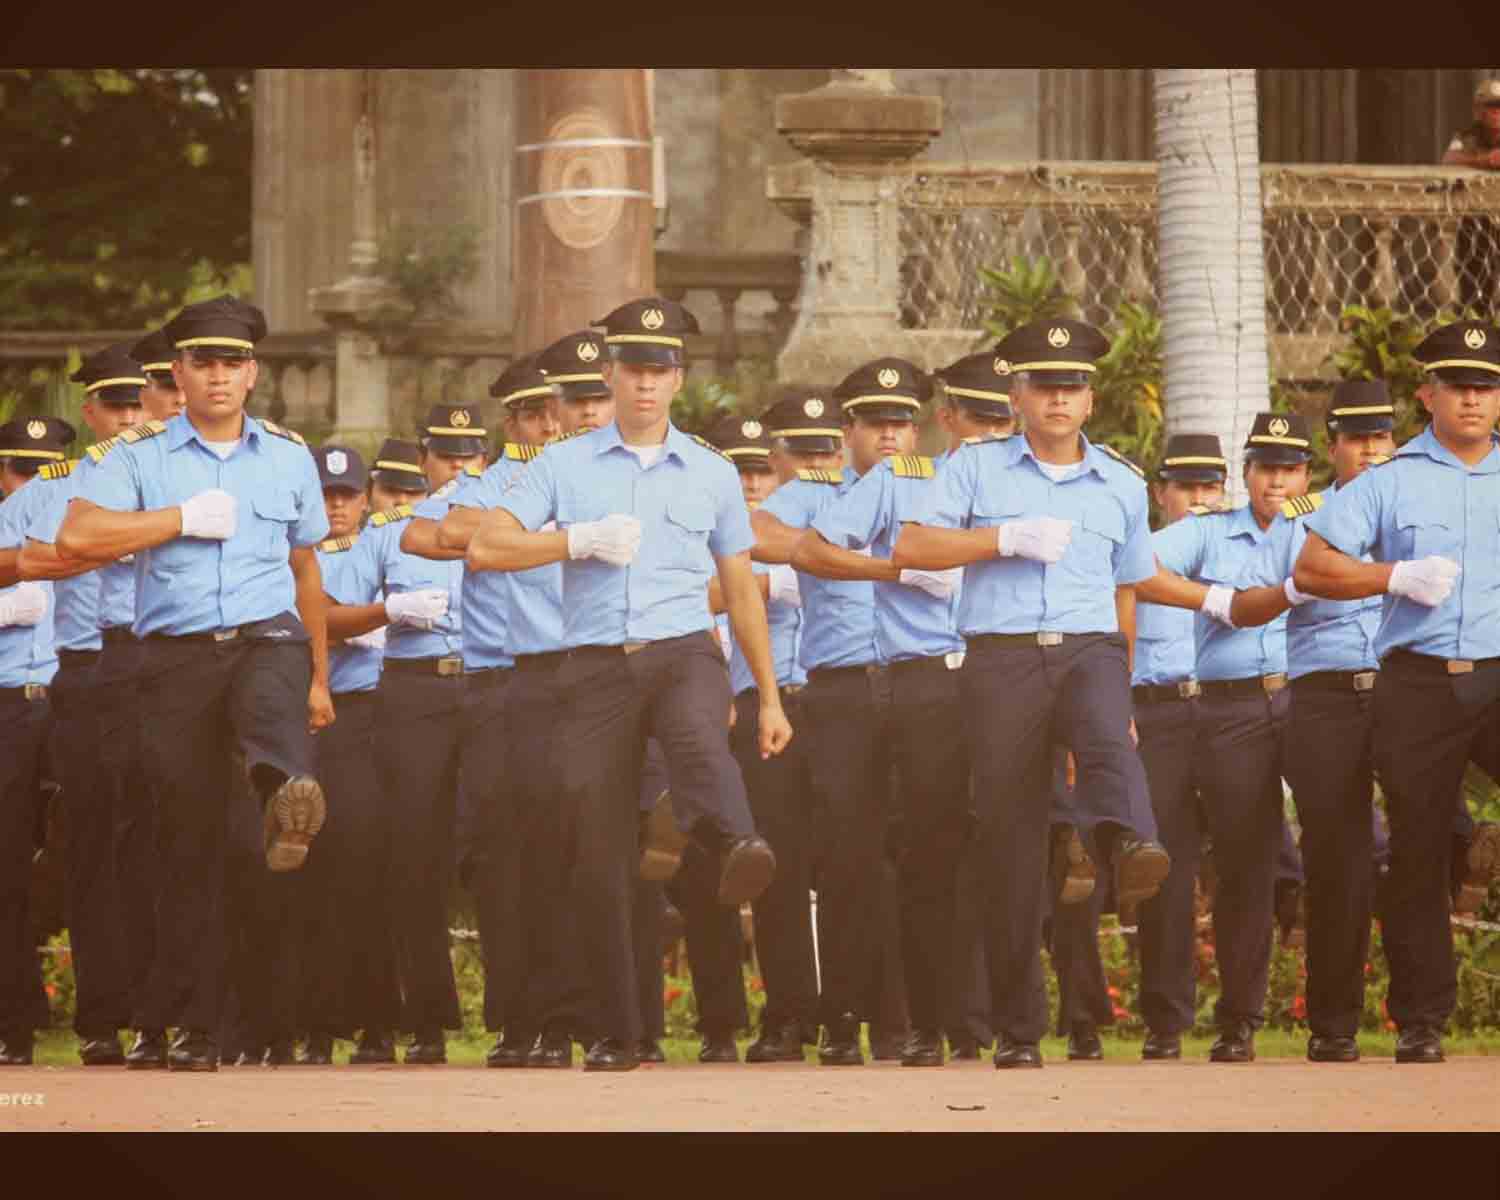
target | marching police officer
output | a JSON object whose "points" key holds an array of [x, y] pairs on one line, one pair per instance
{"points": [[396, 476], [1045, 658], [1427, 517], [222, 512], [1241, 715], [161, 398], [27, 444], [642, 658]]}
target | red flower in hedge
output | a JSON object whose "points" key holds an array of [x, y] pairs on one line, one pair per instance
{"points": [[51, 992], [672, 995], [1114, 993], [1299, 1007]]}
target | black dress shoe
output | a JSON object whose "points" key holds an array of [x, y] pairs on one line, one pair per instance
{"points": [[963, 1049], [281, 1053], [318, 1052], [923, 1049], [1009, 1053], [372, 1050], [840, 1045], [148, 1052], [245, 1058], [719, 1049], [1084, 1044], [193, 1050], [1332, 1049], [749, 867], [504, 1053], [17, 1051], [427, 1049], [1235, 1044], [886, 1047], [1161, 1046], [649, 1051], [101, 1052], [552, 1050], [777, 1045], [662, 843], [1419, 1044], [293, 816], [1140, 868], [610, 1054], [1072, 870]]}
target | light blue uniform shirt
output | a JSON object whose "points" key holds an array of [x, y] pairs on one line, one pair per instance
{"points": [[1216, 547], [532, 599], [1425, 501], [991, 482], [350, 668], [838, 614], [377, 567], [1164, 651], [691, 511], [193, 585], [909, 623], [1321, 635], [785, 622], [41, 506], [483, 606], [28, 653], [114, 601]]}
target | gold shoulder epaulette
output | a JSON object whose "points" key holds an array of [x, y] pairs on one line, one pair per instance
{"points": [[979, 438], [1385, 458], [58, 470], [388, 516], [1301, 506], [520, 452], [911, 466], [139, 433], [1202, 510], [1120, 458], [291, 435], [563, 437], [99, 449], [812, 475], [337, 544], [708, 445], [472, 471]]}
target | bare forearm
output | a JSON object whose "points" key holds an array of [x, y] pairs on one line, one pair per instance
{"points": [[10, 566], [929, 548], [102, 535], [40, 560], [775, 540], [421, 537], [1169, 588], [816, 555], [458, 527], [1257, 606], [505, 546], [1324, 571], [716, 603], [350, 620], [312, 607]]}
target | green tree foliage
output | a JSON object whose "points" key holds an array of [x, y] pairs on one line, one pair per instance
{"points": [[121, 193], [1023, 290]]}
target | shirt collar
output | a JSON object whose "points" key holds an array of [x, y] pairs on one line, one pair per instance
{"points": [[1427, 445], [676, 442], [181, 431], [1093, 458], [1242, 523]]}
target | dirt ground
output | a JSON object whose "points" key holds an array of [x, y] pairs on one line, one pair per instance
{"points": [[1463, 1094]]}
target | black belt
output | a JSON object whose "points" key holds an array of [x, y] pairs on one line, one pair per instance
{"points": [[487, 676], [1042, 638], [1336, 681], [1151, 693], [788, 691], [117, 634], [625, 648], [78, 658], [1256, 685], [548, 660], [232, 633], [1431, 665], [27, 691], [450, 665]]}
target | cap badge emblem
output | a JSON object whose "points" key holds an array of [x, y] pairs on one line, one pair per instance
{"points": [[36, 430], [813, 408], [888, 377], [461, 418], [751, 429], [338, 462], [1475, 339], [1058, 337], [652, 318], [587, 351], [1279, 426], [1002, 367]]}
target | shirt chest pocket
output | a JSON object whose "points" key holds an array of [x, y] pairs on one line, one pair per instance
{"points": [[996, 510], [1428, 529], [1099, 533], [275, 513], [689, 521]]}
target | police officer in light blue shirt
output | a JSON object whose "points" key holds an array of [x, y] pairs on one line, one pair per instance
{"points": [[645, 515], [1428, 518], [1048, 527], [222, 512]]}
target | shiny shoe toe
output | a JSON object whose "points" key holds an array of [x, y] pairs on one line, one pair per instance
{"points": [[923, 1049], [1235, 1044], [1419, 1044], [719, 1050], [1009, 1054], [611, 1055], [1332, 1049]]}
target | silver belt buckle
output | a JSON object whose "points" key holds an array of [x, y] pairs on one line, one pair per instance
{"points": [[1460, 666], [226, 635], [1049, 639], [792, 689], [1364, 681], [954, 659], [1188, 689], [632, 647], [1273, 683], [452, 665], [34, 691]]}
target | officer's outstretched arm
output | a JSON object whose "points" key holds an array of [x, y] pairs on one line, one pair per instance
{"points": [[1258, 606], [774, 538], [350, 620], [1169, 588], [102, 535], [40, 560], [10, 571], [816, 555], [421, 537], [932, 548], [502, 543], [312, 607], [747, 618], [716, 603], [1322, 570], [457, 529]]}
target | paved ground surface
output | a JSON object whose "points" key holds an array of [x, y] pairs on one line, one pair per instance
{"points": [[1286, 1094]]}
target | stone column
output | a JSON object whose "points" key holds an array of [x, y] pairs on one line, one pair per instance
{"points": [[584, 222], [856, 129]]}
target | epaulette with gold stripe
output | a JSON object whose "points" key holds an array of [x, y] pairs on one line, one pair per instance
{"points": [[1205, 510], [911, 466], [336, 545], [1120, 458], [1302, 506], [99, 449], [708, 445], [472, 471], [291, 435], [139, 433], [389, 516], [979, 438], [58, 470], [563, 437], [520, 452], [815, 475]]}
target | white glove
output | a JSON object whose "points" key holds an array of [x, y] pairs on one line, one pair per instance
{"points": [[613, 540], [421, 609], [1293, 596], [1428, 580], [374, 640], [784, 586], [209, 514], [25, 605], [941, 584], [1042, 539], [1216, 603]]}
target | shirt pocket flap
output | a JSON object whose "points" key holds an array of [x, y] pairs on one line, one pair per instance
{"points": [[691, 512], [1107, 521], [274, 506]]}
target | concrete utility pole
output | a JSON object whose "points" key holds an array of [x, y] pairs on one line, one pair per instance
{"points": [[584, 217]]}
